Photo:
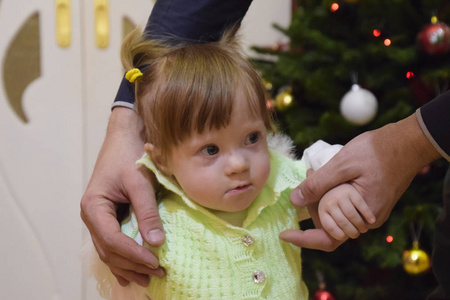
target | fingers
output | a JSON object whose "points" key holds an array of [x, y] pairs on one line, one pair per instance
{"points": [[126, 259], [362, 207], [312, 239], [338, 226], [349, 219], [125, 263], [320, 181], [344, 213], [124, 277], [146, 209], [122, 281], [123, 267], [123, 251], [313, 210]]}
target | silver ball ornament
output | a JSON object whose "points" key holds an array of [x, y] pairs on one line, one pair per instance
{"points": [[358, 106]]}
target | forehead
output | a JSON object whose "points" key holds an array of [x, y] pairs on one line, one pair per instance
{"points": [[241, 125]]}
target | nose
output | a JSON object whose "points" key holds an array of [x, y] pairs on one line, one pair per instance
{"points": [[236, 163]]}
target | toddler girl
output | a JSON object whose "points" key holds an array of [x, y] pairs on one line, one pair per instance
{"points": [[225, 179]]}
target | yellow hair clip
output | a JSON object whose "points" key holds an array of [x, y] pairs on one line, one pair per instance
{"points": [[133, 74]]}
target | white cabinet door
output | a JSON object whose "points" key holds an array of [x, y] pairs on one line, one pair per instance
{"points": [[40, 154], [54, 104]]}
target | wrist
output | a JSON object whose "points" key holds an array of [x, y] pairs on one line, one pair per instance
{"points": [[125, 124], [416, 146], [123, 119], [123, 136]]}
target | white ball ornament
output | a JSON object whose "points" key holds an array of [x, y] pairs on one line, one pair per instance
{"points": [[359, 106]]}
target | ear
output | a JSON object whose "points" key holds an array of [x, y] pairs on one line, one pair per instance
{"points": [[158, 159]]}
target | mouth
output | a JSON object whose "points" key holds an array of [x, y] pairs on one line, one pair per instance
{"points": [[239, 189]]}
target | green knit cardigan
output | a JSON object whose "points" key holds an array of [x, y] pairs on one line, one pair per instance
{"points": [[207, 258]]}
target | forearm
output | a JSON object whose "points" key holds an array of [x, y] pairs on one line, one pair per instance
{"points": [[122, 145]]}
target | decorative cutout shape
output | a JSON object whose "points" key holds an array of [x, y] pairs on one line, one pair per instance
{"points": [[22, 64], [127, 26]]}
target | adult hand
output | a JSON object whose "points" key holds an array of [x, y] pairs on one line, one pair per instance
{"points": [[318, 238], [117, 179], [380, 164]]}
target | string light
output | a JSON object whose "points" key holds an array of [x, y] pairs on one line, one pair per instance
{"points": [[376, 32], [434, 20], [409, 75], [389, 239], [334, 7], [387, 42]]}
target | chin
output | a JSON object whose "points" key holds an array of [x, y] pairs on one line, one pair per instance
{"points": [[239, 207]]}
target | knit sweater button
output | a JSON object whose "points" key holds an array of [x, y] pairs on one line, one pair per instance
{"points": [[258, 276], [247, 240]]}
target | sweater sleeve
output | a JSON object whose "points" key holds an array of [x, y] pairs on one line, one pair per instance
{"points": [[434, 119], [196, 21]]}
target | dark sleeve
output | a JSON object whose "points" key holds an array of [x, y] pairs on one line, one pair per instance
{"points": [[434, 118], [198, 21]]}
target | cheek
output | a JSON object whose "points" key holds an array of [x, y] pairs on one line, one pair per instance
{"points": [[262, 168], [194, 183]]}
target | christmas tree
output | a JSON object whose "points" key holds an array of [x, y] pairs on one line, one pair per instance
{"points": [[353, 66]]}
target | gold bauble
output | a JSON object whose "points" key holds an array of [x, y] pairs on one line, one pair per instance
{"points": [[268, 85], [415, 260], [284, 98]]}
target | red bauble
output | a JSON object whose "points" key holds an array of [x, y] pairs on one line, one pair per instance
{"points": [[435, 38], [323, 295]]}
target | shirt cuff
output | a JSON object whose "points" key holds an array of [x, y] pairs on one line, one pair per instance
{"points": [[429, 136], [122, 104]]}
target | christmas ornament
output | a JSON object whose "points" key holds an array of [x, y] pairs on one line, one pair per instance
{"points": [[270, 104], [323, 295], [334, 7], [435, 38], [359, 106], [268, 85], [284, 98], [389, 239], [415, 260]]}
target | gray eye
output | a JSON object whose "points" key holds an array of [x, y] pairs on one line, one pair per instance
{"points": [[210, 150], [252, 138]]}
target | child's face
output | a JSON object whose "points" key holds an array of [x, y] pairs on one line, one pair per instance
{"points": [[224, 169]]}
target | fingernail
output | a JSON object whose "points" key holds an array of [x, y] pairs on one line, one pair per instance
{"points": [[144, 282], [160, 273], [155, 236], [297, 198], [300, 195]]}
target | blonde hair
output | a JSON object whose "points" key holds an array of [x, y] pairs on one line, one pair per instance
{"points": [[191, 87]]}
